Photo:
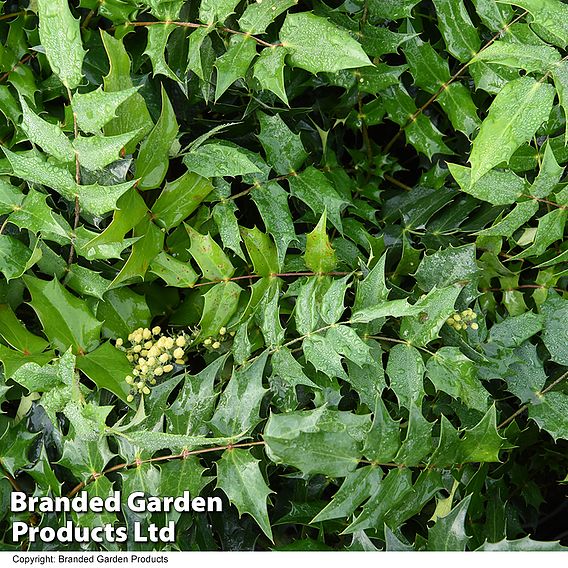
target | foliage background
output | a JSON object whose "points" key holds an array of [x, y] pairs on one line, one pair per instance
{"points": [[327, 183]]}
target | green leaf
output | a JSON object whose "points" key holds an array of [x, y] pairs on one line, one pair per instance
{"points": [[220, 304], [268, 70], [228, 225], [526, 376], [549, 230], [495, 16], [482, 443], [453, 373], [218, 160], [234, 63], [272, 203], [316, 45], [172, 271], [357, 487], [153, 158], [513, 331], [555, 332], [97, 108], [180, 198], [130, 210], [431, 72], [436, 308], [393, 489], [560, 76], [97, 152], [284, 149], [259, 15], [123, 311], [551, 414], [317, 441], [15, 333], [195, 403], [107, 367], [155, 49], [213, 262], [144, 250], [239, 476], [320, 256], [449, 532], [262, 252], [132, 115], [12, 360], [531, 58], [549, 17], [525, 544], [321, 353], [46, 135], [420, 132], [383, 439], [391, 9], [65, 319], [514, 116], [548, 176], [15, 257], [332, 303], [496, 187], [95, 199], [522, 213], [418, 443], [211, 11], [406, 369], [60, 36], [457, 29], [239, 405], [314, 189]]}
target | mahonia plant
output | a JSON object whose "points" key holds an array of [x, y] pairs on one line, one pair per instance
{"points": [[308, 257]]}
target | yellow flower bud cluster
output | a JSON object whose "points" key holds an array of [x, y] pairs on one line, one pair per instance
{"points": [[214, 343], [463, 320], [152, 355]]}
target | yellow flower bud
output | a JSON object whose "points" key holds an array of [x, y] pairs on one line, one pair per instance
{"points": [[164, 358], [216, 345], [178, 353], [158, 371], [169, 343], [168, 368], [137, 348], [222, 331], [208, 341], [153, 381], [138, 338], [474, 326], [129, 398], [146, 390], [129, 379], [140, 384], [144, 369], [156, 330], [180, 362], [144, 352], [119, 342], [151, 361], [146, 334], [180, 341], [154, 351], [141, 361], [135, 372], [457, 317], [148, 344], [130, 358]]}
